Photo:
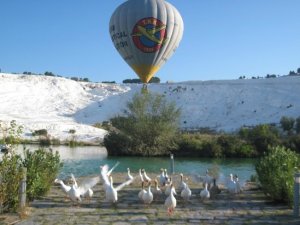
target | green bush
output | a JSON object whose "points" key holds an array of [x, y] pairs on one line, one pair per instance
{"points": [[287, 123], [246, 151], [44, 141], [11, 133], [297, 125], [276, 173], [207, 145], [229, 145], [117, 143], [42, 168], [150, 125], [72, 131], [10, 177], [41, 132], [293, 142], [212, 149], [190, 144], [106, 125], [261, 137]]}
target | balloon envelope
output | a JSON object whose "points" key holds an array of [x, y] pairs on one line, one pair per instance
{"points": [[146, 33]]}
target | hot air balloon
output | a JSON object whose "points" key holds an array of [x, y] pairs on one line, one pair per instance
{"points": [[146, 33]]}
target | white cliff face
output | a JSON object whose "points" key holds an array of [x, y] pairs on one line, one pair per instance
{"points": [[59, 104]]}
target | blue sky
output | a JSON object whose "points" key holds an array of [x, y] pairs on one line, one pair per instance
{"points": [[223, 39]]}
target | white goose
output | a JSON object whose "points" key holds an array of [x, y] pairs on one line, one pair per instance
{"points": [[89, 193], [141, 175], [111, 193], [207, 179], [145, 176], [182, 184], [64, 187], [156, 191], [186, 192], [162, 178], [105, 173], [148, 195], [171, 202], [75, 192], [237, 184], [203, 179], [84, 189], [142, 191], [128, 176], [169, 187], [166, 176], [231, 185], [204, 194]]}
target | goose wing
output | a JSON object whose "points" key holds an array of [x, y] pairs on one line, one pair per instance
{"points": [[110, 171], [74, 180], [197, 178], [103, 174], [88, 183], [119, 187]]}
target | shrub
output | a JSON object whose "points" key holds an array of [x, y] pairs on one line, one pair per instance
{"points": [[10, 176], [276, 173], [41, 132], [254, 178], [247, 151], [55, 141], [207, 145], [106, 125], [261, 137], [190, 144], [44, 141], [293, 143], [117, 143], [42, 168], [212, 149], [72, 131], [298, 125], [287, 123], [73, 143], [11, 133], [229, 144], [150, 125]]}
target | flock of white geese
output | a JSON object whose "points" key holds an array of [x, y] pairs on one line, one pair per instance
{"points": [[163, 186]]}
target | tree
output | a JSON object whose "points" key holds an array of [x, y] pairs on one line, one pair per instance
{"points": [[298, 125], [149, 127], [287, 123], [261, 136], [132, 81], [49, 74], [138, 81], [275, 172], [75, 78], [154, 80]]}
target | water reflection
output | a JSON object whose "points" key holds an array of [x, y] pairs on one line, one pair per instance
{"points": [[83, 161]]}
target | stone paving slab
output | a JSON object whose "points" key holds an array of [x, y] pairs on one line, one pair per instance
{"points": [[249, 207]]}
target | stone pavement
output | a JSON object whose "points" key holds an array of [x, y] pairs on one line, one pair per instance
{"points": [[249, 207]]}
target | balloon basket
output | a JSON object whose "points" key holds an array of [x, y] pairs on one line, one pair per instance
{"points": [[144, 89]]}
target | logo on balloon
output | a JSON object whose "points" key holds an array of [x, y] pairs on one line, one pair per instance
{"points": [[149, 34]]}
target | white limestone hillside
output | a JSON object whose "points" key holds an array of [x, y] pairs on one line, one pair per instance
{"points": [[59, 104]]}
